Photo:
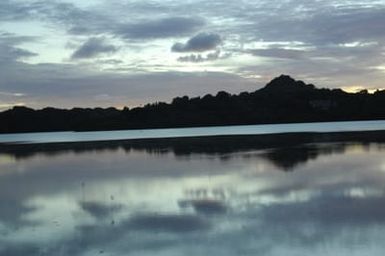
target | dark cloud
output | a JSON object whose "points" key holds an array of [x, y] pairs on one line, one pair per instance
{"points": [[92, 48], [65, 15], [310, 21], [199, 43], [9, 50], [76, 20], [80, 21], [160, 28], [10, 11], [319, 24], [348, 25], [18, 53], [200, 58], [13, 39], [9, 54]]}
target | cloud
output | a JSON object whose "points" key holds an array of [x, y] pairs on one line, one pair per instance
{"points": [[92, 48], [8, 53], [14, 39], [280, 53], [199, 58], [160, 28], [76, 85], [199, 43], [96, 21], [318, 23], [323, 42], [10, 11], [9, 50], [57, 14]]}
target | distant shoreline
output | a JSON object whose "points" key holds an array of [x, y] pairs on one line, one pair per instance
{"points": [[206, 144]]}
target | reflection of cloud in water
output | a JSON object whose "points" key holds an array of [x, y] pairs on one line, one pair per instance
{"points": [[320, 226], [168, 223], [204, 206], [333, 200], [205, 201], [100, 210], [12, 212], [328, 210], [21, 250]]}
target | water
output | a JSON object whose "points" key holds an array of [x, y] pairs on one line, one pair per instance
{"points": [[48, 137], [189, 199]]}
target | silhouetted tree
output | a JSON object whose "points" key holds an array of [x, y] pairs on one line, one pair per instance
{"points": [[282, 100]]}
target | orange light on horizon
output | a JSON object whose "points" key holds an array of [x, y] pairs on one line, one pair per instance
{"points": [[357, 88]]}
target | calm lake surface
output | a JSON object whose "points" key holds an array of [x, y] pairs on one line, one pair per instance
{"points": [[48, 137], [222, 198]]}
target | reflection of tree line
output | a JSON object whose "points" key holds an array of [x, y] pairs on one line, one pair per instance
{"points": [[284, 150], [288, 158]]}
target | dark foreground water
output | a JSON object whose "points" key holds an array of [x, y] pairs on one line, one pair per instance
{"points": [[226, 197]]}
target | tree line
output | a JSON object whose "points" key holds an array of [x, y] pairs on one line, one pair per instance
{"points": [[282, 100]]}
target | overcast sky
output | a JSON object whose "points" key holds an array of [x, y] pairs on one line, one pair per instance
{"points": [[125, 53]]}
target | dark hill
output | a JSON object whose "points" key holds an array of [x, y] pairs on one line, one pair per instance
{"points": [[282, 100], [286, 84]]}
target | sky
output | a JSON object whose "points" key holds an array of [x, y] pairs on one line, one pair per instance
{"points": [[101, 53]]}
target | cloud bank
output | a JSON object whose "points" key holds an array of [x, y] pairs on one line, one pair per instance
{"points": [[329, 43]]}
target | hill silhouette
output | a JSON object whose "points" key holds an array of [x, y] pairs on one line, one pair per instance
{"points": [[282, 100]]}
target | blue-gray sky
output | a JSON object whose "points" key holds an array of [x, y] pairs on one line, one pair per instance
{"points": [[125, 53]]}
